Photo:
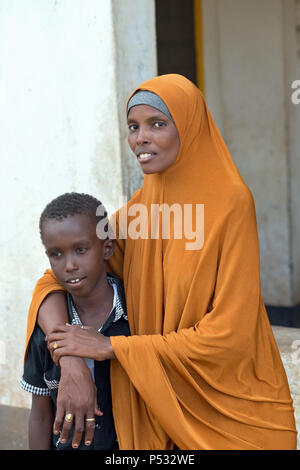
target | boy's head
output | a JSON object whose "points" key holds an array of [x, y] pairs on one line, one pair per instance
{"points": [[68, 231]]}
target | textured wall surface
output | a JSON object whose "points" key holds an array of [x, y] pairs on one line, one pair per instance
{"points": [[251, 57], [291, 12], [62, 64]]}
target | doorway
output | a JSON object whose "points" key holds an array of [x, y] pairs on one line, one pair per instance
{"points": [[175, 32]]}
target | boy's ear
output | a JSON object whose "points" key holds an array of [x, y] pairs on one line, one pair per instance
{"points": [[108, 248]]}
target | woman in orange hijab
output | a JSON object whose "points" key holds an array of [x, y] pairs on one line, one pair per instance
{"points": [[201, 369]]}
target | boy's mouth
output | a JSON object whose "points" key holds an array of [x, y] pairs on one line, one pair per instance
{"points": [[75, 281]]}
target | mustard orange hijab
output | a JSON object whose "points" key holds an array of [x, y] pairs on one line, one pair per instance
{"points": [[201, 369]]}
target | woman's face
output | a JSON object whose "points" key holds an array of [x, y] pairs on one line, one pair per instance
{"points": [[153, 138]]}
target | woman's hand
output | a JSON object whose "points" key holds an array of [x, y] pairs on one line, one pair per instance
{"points": [[77, 395], [81, 341]]}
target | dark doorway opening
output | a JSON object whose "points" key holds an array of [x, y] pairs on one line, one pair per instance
{"points": [[175, 38]]}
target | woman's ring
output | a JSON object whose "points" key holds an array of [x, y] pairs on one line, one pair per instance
{"points": [[55, 346], [90, 419], [69, 417]]}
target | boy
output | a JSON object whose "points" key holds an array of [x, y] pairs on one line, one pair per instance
{"points": [[95, 298]]}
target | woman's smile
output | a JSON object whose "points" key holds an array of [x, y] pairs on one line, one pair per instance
{"points": [[146, 156]]}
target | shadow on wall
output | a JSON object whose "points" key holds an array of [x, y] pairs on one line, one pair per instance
{"points": [[14, 428]]}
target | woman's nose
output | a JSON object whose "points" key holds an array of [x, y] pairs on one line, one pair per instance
{"points": [[142, 136]]}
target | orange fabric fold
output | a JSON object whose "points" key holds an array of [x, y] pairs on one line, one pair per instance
{"points": [[44, 286], [202, 369]]}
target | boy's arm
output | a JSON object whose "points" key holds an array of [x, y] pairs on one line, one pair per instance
{"points": [[40, 423], [53, 311], [81, 400]]}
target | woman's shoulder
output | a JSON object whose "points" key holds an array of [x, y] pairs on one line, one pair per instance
{"points": [[238, 195], [236, 202]]}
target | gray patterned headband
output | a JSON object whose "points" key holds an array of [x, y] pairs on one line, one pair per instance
{"points": [[151, 99]]}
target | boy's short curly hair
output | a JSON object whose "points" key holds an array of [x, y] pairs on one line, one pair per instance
{"points": [[69, 204]]}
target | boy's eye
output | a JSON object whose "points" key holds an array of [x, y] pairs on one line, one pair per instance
{"points": [[81, 249], [55, 254]]}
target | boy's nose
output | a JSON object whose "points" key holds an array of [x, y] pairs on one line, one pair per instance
{"points": [[71, 265]]}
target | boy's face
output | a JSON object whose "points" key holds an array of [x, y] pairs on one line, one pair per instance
{"points": [[77, 256]]}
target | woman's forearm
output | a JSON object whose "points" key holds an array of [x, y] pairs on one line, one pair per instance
{"points": [[53, 311]]}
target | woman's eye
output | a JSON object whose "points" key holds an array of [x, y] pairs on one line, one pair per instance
{"points": [[159, 124], [132, 127]]}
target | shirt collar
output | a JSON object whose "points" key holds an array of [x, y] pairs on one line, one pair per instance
{"points": [[118, 310]]}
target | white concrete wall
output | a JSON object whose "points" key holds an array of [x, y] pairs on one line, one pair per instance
{"points": [[291, 12], [245, 63], [59, 131], [135, 36]]}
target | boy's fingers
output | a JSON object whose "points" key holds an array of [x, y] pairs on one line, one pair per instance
{"points": [[78, 430], [97, 410], [58, 421], [90, 425], [67, 426]]}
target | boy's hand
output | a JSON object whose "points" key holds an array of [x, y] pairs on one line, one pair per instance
{"points": [[77, 396]]}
